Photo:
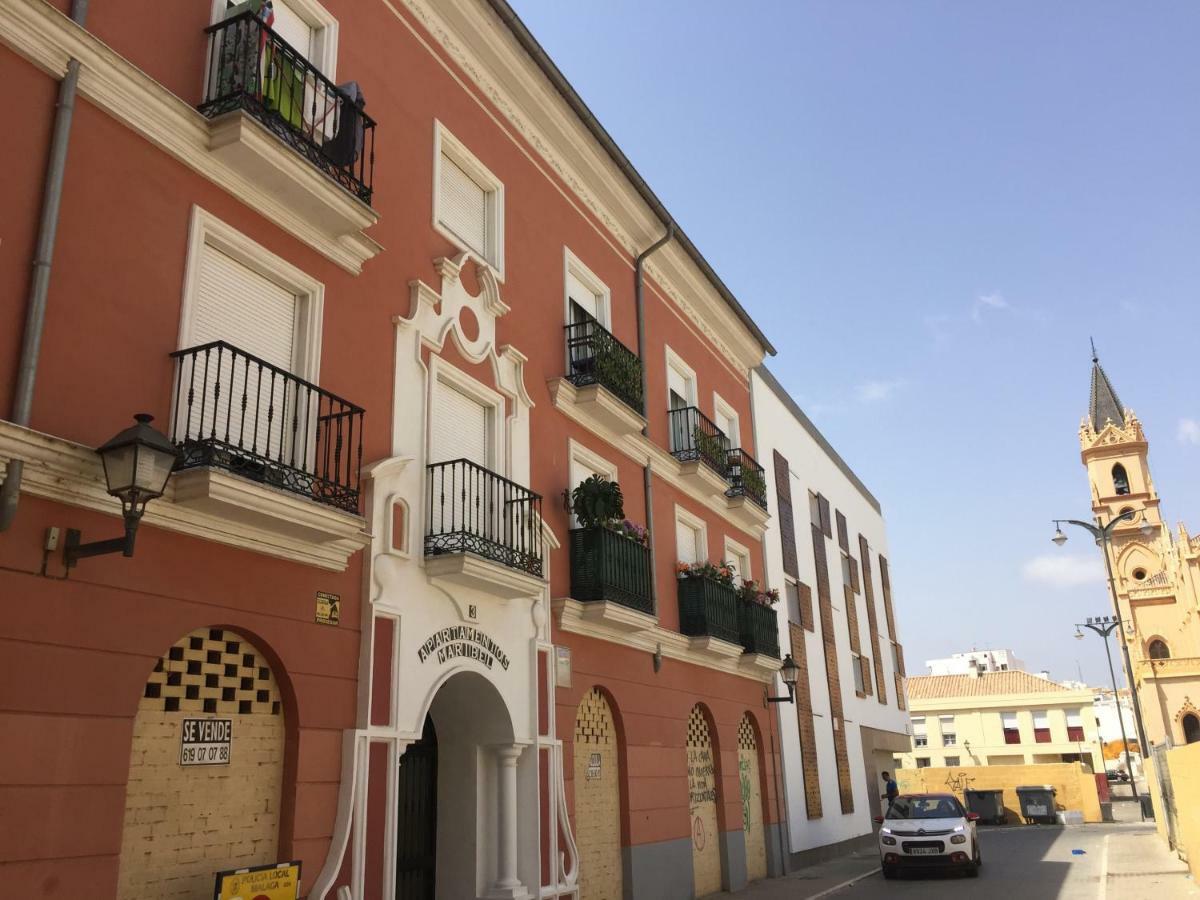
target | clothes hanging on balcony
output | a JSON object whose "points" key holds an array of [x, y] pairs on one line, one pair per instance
{"points": [[346, 145]]}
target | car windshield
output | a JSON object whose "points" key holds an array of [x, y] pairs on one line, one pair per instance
{"points": [[925, 808]]}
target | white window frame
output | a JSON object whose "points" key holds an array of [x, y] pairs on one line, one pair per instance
{"points": [[578, 457], [675, 361], [324, 26], [206, 230], [443, 373], [693, 521], [573, 265], [723, 409], [733, 548], [444, 142]]}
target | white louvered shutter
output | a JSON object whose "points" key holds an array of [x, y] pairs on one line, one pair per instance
{"points": [[686, 543], [235, 304], [463, 206], [293, 29], [459, 428], [679, 386]]}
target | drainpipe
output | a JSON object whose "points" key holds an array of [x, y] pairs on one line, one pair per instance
{"points": [[35, 316], [647, 479]]}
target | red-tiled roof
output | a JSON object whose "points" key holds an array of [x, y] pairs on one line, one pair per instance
{"points": [[937, 687]]}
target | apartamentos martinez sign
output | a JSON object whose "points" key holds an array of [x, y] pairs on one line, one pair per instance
{"points": [[463, 641]]}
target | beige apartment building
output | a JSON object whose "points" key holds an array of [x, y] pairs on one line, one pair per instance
{"points": [[999, 718]]}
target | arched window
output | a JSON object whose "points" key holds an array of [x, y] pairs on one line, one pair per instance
{"points": [[1159, 650], [1120, 479], [1191, 728]]}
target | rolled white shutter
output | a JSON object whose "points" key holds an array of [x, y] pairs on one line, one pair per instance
{"points": [[459, 429], [677, 383], [462, 206], [582, 295], [293, 29], [685, 543], [1041, 719]]}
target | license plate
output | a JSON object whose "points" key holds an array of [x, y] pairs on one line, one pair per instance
{"points": [[924, 851]]}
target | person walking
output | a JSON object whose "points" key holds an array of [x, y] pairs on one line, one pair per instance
{"points": [[890, 788]]}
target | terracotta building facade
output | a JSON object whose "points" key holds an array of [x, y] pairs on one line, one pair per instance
{"points": [[399, 319]]}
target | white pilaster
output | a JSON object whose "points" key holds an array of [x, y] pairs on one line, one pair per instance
{"points": [[507, 886]]}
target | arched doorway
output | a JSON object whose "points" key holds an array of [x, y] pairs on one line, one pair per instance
{"points": [[458, 800], [597, 800], [416, 832], [206, 766], [1191, 728], [752, 801], [702, 804]]}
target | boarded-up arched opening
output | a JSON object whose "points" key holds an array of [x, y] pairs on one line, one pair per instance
{"points": [[702, 804], [750, 779], [205, 768], [597, 800]]}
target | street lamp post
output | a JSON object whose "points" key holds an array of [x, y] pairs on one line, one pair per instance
{"points": [[1103, 535], [1104, 626]]}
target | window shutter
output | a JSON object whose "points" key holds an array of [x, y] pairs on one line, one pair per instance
{"points": [[459, 429], [1041, 719], [679, 384], [1074, 718], [236, 304], [685, 542], [584, 296], [293, 29], [783, 514], [463, 207], [1008, 719]]}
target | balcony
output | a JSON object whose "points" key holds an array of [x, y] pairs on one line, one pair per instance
{"points": [[611, 575], [236, 412], [746, 478], [758, 628], [701, 447], [603, 384], [708, 610], [253, 70], [482, 531]]}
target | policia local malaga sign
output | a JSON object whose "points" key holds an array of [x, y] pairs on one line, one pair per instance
{"points": [[280, 881]]}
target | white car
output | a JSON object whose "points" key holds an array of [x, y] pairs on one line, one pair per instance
{"points": [[928, 831]]}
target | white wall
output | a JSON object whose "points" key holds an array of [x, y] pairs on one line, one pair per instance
{"points": [[987, 660], [814, 468]]}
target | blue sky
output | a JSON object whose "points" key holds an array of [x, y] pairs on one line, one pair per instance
{"points": [[929, 208]]}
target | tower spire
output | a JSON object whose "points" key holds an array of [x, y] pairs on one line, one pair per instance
{"points": [[1105, 404]]}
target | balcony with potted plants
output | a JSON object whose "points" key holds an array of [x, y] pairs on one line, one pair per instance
{"points": [[610, 558], [758, 626], [283, 125], [708, 607], [603, 384], [746, 496], [701, 448]]}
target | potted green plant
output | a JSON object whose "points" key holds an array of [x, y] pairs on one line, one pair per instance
{"points": [[597, 501], [610, 559]]}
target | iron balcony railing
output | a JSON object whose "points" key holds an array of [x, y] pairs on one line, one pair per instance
{"points": [[758, 628], [594, 356], [237, 412], [609, 566], [473, 510], [708, 607], [746, 477], [694, 436], [252, 68]]}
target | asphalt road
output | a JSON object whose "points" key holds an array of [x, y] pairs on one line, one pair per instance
{"points": [[1027, 863]]}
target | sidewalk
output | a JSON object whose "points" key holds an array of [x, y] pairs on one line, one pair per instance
{"points": [[1139, 864], [817, 881]]}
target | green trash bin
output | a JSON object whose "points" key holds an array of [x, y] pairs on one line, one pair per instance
{"points": [[1037, 803], [988, 804]]}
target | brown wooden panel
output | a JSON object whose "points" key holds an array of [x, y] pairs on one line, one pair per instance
{"points": [[808, 732], [832, 677], [886, 582], [864, 550], [843, 533], [784, 516], [806, 606], [852, 618], [823, 513]]}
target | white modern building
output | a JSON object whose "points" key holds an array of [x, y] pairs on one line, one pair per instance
{"points": [[981, 660], [826, 553]]}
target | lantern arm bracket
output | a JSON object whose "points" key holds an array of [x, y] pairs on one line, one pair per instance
{"points": [[73, 550], [790, 698]]}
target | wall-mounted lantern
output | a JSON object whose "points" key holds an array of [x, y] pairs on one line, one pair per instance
{"points": [[137, 464], [789, 671]]}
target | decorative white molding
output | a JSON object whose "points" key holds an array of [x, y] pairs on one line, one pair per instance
{"points": [[710, 653], [310, 206], [445, 144], [204, 503], [465, 570], [704, 480], [618, 617], [746, 513], [482, 48], [598, 403]]}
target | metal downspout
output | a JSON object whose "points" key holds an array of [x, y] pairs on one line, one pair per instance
{"points": [[647, 479], [39, 286]]}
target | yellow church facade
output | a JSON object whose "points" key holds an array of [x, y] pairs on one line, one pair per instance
{"points": [[1155, 571]]}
